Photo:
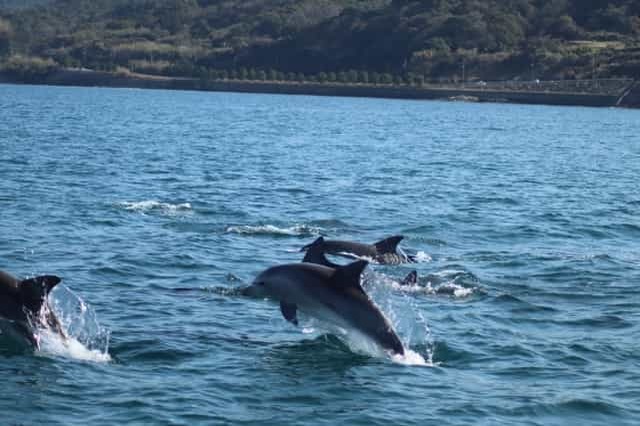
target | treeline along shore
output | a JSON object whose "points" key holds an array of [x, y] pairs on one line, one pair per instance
{"points": [[595, 93], [584, 52]]}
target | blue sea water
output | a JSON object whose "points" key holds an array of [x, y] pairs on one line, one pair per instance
{"points": [[155, 205]]}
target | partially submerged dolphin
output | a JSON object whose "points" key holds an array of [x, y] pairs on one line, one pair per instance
{"points": [[315, 254], [330, 294], [24, 304], [384, 252]]}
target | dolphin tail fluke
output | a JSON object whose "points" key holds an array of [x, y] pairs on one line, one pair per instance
{"points": [[388, 245], [411, 278]]}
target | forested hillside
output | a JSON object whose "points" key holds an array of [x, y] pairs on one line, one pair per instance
{"points": [[441, 40]]}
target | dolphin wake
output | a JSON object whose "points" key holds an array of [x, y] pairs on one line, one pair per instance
{"points": [[300, 230], [149, 206]]}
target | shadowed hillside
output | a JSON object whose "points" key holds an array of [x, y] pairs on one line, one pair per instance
{"points": [[330, 40]]}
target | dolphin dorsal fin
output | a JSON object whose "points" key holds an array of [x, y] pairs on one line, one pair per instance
{"points": [[316, 243], [45, 283], [34, 291], [348, 276], [315, 254], [411, 278], [388, 245]]}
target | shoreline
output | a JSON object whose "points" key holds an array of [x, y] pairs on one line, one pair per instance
{"points": [[630, 98]]}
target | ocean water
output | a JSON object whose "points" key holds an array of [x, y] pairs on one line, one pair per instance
{"points": [[156, 206]]}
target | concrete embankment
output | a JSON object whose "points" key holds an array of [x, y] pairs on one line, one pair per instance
{"points": [[631, 97], [97, 78]]}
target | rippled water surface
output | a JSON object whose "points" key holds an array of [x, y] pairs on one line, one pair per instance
{"points": [[154, 206]]}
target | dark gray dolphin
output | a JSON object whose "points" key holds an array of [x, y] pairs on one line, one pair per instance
{"points": [[315, 254], [384, 252], [330, 294], [22, 303]]}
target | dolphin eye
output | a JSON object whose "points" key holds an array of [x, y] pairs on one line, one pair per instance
{"points": [[260, 283]]}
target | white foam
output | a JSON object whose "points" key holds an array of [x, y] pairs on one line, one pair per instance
{"points": [[296, 230], [411, 357], [360, 343], [153, 205], [53, 344], [422, 257], [448, 288]]}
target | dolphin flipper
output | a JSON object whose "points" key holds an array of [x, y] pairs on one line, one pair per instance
{"points": [[289, 311], [388, 245]]}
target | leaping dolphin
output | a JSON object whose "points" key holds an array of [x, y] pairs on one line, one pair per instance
{"points": [[330, 294], [24, 303], [315, 254], [384, 252]]}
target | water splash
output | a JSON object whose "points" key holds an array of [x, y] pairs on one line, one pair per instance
{"points": [[82, 338], [422, 257], [412, 328], [448, 288], [149, 206], [412, 358], [52, 344]]}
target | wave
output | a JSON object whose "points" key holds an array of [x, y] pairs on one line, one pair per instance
{"points": [[148, 206], [295, 230]]}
